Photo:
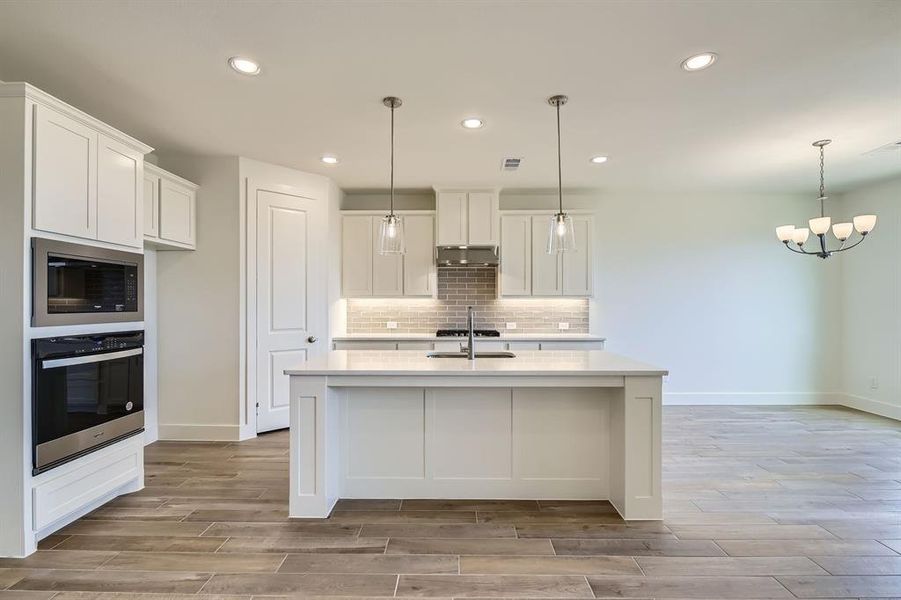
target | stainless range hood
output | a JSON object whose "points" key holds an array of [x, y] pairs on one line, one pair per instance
{"points": [[467, 256]]}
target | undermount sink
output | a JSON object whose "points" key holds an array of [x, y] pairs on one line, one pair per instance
{"points": [[477, 355]]}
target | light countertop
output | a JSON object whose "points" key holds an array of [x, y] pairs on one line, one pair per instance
{"points": [[570, 363], [504, 337]]}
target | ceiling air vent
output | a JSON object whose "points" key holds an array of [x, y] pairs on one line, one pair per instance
{"points": [[511, 164], [890, 147]]}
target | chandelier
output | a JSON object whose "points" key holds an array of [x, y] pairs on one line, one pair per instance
{"points": [[789, 234]]}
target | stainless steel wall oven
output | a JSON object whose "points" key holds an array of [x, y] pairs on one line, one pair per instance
{"points": [[87, 392], [73, 284]]}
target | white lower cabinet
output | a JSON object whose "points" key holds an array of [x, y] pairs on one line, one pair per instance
{"points": [[70, 489], [366, 273], [171, 223], [528, 270]]}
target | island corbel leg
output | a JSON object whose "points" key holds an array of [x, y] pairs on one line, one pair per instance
{"points": [[635, 449], [313, 447]]}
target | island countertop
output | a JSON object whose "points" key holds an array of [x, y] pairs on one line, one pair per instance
{"points": [[591, 363]]}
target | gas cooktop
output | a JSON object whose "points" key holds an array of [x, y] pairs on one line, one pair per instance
{"points": [[465, 333]]}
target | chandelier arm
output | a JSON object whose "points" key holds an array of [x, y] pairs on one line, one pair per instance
{"points": [[857, 243], [800, 250]]}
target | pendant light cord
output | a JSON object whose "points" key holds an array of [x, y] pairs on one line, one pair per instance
{"points": [[392, 159], [559, 164]]}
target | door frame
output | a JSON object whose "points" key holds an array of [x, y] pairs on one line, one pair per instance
{"points": [[250, 185]]}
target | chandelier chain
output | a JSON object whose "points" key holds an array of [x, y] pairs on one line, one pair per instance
{"points": [[392, 159], [822, 181], [559, 163]]}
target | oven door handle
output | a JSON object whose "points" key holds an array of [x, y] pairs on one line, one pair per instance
{"points": [[83, 360]]}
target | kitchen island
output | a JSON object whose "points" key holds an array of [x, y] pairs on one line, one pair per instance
{"points": [[581, 425]]}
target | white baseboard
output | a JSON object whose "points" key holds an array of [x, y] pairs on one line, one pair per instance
{"points": [[199, 433], [749, 398], [875, 407]]}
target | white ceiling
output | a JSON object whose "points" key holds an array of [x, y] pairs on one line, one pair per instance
{"points": [[789, 73]]}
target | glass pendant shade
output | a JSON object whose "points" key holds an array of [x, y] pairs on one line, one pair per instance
{"points": [[391, 235], [820, 225], [842, 231], [785, 233], [800, 235], [864, 223], [561, 236]]}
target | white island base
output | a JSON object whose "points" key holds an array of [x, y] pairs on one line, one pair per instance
{"points": [[544, 425]]}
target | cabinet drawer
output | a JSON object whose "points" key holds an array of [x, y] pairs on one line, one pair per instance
{"points": [[514, 346], [73, 486], [365, 345]]}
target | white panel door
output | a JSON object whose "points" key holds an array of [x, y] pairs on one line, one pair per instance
{"points": [[120, 185], [356, 256], [577, 280], [483, 223], [453, 220], [419, 260], [65, 175], [545, 267], [387, 269], [177, 206], [151, 206], [516, 255], [290, 299]]}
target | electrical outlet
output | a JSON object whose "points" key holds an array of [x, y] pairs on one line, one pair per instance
{"points": [[874, 383], [511, 325], [392, 324], [562, 326]]}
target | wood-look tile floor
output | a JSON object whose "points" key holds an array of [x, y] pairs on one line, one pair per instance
{"points": [[760, 503]]}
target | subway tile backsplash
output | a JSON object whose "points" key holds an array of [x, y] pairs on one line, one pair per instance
{"points": [[459, 287]]}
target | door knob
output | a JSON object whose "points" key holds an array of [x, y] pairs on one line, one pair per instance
{"points": [[312, 339]]}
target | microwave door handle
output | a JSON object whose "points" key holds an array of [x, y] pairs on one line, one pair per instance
{"points": [[94, 358]]}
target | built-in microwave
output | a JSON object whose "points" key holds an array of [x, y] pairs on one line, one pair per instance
{"points": [[74, 284]]}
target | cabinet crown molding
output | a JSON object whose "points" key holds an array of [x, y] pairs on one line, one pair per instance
{"points": [[28, 91], [159, 172]]}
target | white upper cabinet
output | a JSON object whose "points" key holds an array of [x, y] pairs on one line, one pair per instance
{"points": [[356, 255], [151, 206], [483, 218], [120, 184], [545, 267], [467, 217], [87, 179], [516, 255], [419, 260], [366, 273], [172, 205], [576, 265], [387, 269], [528, 270], [65, 175]]}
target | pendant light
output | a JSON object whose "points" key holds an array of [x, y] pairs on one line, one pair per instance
{"points": [[561, 237], [788, 234], [391, 229]]}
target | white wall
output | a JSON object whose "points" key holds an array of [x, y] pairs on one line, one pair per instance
{"points": [[151, 413], [698, 283], [198, 311], [871, 294]]}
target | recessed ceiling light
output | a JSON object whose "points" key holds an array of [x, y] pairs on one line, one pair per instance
{"points": [[245, 66], [597, 160], [329, 159], [472, 123], [699, 61]]}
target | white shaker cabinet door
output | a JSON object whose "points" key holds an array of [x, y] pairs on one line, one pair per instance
{"points": [[120, 185], [151, 206], [452, 212], [356, 256], [516, 255], [65, 175], [577, 269], [419, 260], [483, 218], [545, 267], [177, 212], [387, 269]]}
